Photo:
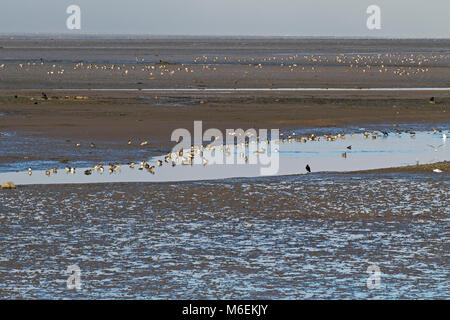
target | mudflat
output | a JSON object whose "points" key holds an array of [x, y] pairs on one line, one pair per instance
{"points": [[221, 62], [298, 236], [46, 86]]}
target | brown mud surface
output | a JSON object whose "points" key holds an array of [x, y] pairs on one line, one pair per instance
{"points": [[124, 115], [64, 69], [421, 168]]}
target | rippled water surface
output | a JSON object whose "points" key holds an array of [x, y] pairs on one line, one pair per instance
{"points": [[308, 236]]}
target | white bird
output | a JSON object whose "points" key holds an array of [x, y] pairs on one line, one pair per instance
{"points": [[444, 137], [435, 148], [437, 170]]}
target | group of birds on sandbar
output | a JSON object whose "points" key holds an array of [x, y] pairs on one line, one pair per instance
{"points": [[189, 156], [398, 64]]}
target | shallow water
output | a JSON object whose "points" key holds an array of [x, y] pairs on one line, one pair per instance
{"points": [[263, 238], [20, 151], [289, 157]]}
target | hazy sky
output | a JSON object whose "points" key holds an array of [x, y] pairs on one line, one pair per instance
{"points": [[399, 18]]}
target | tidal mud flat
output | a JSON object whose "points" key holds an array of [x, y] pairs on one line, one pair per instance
{"points": [[266, 238], [291, 237], [46, 90]]}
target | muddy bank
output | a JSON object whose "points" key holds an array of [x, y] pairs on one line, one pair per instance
{"points": [[270, 238], [66, 124], [124, 115], [222, 62], [109, 119], [421, 168]]}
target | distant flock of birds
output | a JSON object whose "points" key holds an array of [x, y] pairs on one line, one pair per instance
{"points": [[397, 64]]}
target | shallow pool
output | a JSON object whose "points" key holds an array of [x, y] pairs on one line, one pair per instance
{"points": [[287, 156]]}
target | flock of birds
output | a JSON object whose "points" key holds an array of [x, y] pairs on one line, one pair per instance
{"points": [[190, 156], [399, 64]]}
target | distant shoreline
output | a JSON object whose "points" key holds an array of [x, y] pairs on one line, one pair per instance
{"points": [[70, 35]]}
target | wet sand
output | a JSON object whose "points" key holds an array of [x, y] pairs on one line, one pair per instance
{"points": [[49, 130], [111, 118], [268, 238], [290, 237], [421, 168], [114, 118], [222, 62]]}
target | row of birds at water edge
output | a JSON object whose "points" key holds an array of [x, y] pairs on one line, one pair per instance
{"points": [[186, 157]]}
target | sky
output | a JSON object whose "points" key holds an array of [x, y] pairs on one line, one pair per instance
{"points": [[346, 18]]}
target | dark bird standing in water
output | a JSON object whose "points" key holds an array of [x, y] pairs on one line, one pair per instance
{"points": [[308, 169], [44, 95]]}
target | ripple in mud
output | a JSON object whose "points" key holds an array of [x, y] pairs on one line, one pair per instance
{"points": [[281, 237]]}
